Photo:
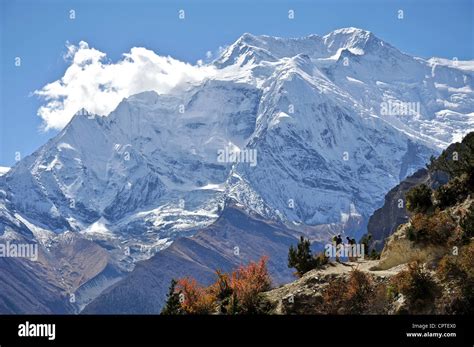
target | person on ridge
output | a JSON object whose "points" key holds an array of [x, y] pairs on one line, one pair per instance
{"points": [[338, 246], [350, 245]]}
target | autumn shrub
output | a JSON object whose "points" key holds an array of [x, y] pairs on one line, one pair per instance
{"points": [[358, 294], [222, 290], [196, 298], [448, 268], [379, 302], [417, 285], [222, 287], [235, 293], [419, 199], [467, 224], [333, 297], [248, 282], [433, 229], [458, 272]]}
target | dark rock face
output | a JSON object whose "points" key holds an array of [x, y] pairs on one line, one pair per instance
{"points": [[393, 213], [234, 239], [385, 221]]}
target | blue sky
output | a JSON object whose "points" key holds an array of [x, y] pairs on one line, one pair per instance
{"points": [[37, 31]]}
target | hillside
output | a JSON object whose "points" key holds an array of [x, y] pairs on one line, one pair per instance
{"points": [[426, 265], [235, 238]]}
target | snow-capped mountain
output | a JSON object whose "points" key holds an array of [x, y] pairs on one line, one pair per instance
{"points": [[143, 177], [308, 131], [3, 170], [372, 72]]}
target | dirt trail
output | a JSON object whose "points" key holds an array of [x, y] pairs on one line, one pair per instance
{"points": [[314, 281], [362, 265]]}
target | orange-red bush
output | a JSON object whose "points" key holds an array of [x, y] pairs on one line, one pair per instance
{"points": [[358, 294], [234, 293], [248, 281], [196, 298], [431, 229]]}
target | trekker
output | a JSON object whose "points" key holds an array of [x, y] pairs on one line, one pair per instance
{"points": [[334, 245], [338, 246], [350, 245]]}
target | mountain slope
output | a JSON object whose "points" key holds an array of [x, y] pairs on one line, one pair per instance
{"points": [[28, 289], [427, 260], [234, 239], [385, 220]]}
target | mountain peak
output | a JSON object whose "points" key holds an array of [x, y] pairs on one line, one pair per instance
{"points": [[250, 48], [4, 170], [350, 30], [85, 113], [347, 38], [247, 37], [149, 96]]}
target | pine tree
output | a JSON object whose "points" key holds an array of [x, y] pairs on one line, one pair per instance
{"points": [[366, 240], [301, 258], [173, 304]]}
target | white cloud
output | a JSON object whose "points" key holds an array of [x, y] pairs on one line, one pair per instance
{"points": [[98, 85]]}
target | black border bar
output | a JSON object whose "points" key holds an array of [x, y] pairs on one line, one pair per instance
{"points": [[223, 330]]}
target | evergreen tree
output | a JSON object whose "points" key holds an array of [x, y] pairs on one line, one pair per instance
{"points": [[366, 241], [173, 304], [374, 255], [301, 258]]}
